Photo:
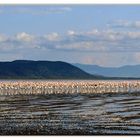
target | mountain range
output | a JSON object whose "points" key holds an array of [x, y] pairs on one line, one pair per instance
{"points": [[124, 71], [26, 69]]}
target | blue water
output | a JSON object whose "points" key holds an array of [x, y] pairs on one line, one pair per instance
{"points": [[80, 114]]}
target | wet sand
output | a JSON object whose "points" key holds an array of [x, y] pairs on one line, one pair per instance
{"points": [[70, 114]]}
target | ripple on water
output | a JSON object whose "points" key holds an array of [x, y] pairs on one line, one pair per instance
{"points": [[70, 114]]}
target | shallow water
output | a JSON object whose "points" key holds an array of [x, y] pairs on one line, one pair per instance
{"points": [[80, 114]]}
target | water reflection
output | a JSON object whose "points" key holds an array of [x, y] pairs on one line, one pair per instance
{"points": [[85, 114]]}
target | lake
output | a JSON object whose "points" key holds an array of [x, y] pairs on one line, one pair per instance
{"points": [[70, 114]]}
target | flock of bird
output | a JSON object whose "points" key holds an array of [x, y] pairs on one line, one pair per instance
{"points": [[67, 87]]}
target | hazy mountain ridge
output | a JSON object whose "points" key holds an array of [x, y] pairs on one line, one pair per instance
{"points": [[124, 71], [27, 69]]}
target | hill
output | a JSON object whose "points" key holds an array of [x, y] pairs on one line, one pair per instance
{"points": [[124, 71], [26, 69]]}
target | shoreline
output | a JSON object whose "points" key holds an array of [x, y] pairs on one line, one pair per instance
{"points": [[68, 87]]}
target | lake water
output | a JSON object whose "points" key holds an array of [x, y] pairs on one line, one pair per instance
{"points": [[77, 114]]}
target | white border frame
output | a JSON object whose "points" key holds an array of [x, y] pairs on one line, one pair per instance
{"points": [[79, 2], [70, 2]]}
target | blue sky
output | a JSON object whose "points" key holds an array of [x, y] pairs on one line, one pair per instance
{"points": [[106, 35]]}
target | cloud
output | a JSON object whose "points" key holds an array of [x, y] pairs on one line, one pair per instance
{"points": [[71, 32], [52, 37], [81, 46], [25, 37], [35, 10], [92, 47], [10, 56], [2, 38], [99, 41], [90, 41], [125, 24]]}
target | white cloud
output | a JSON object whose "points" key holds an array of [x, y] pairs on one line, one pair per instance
{"points": [[90, 41], [3, 38], [82, 46], [134, 35], [136, 57], [25, 37], [109, 59], [71, 32], [125, 24], [10, 56], [52, 37], [35, 10], [92, 47]]}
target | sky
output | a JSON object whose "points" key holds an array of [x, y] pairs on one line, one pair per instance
{"points": [[105, 35]]}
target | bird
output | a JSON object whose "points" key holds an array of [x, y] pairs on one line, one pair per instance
{"points": [[67, 87]]}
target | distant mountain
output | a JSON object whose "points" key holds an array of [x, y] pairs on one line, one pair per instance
{"points": [[41, 70], [124, 71]]}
